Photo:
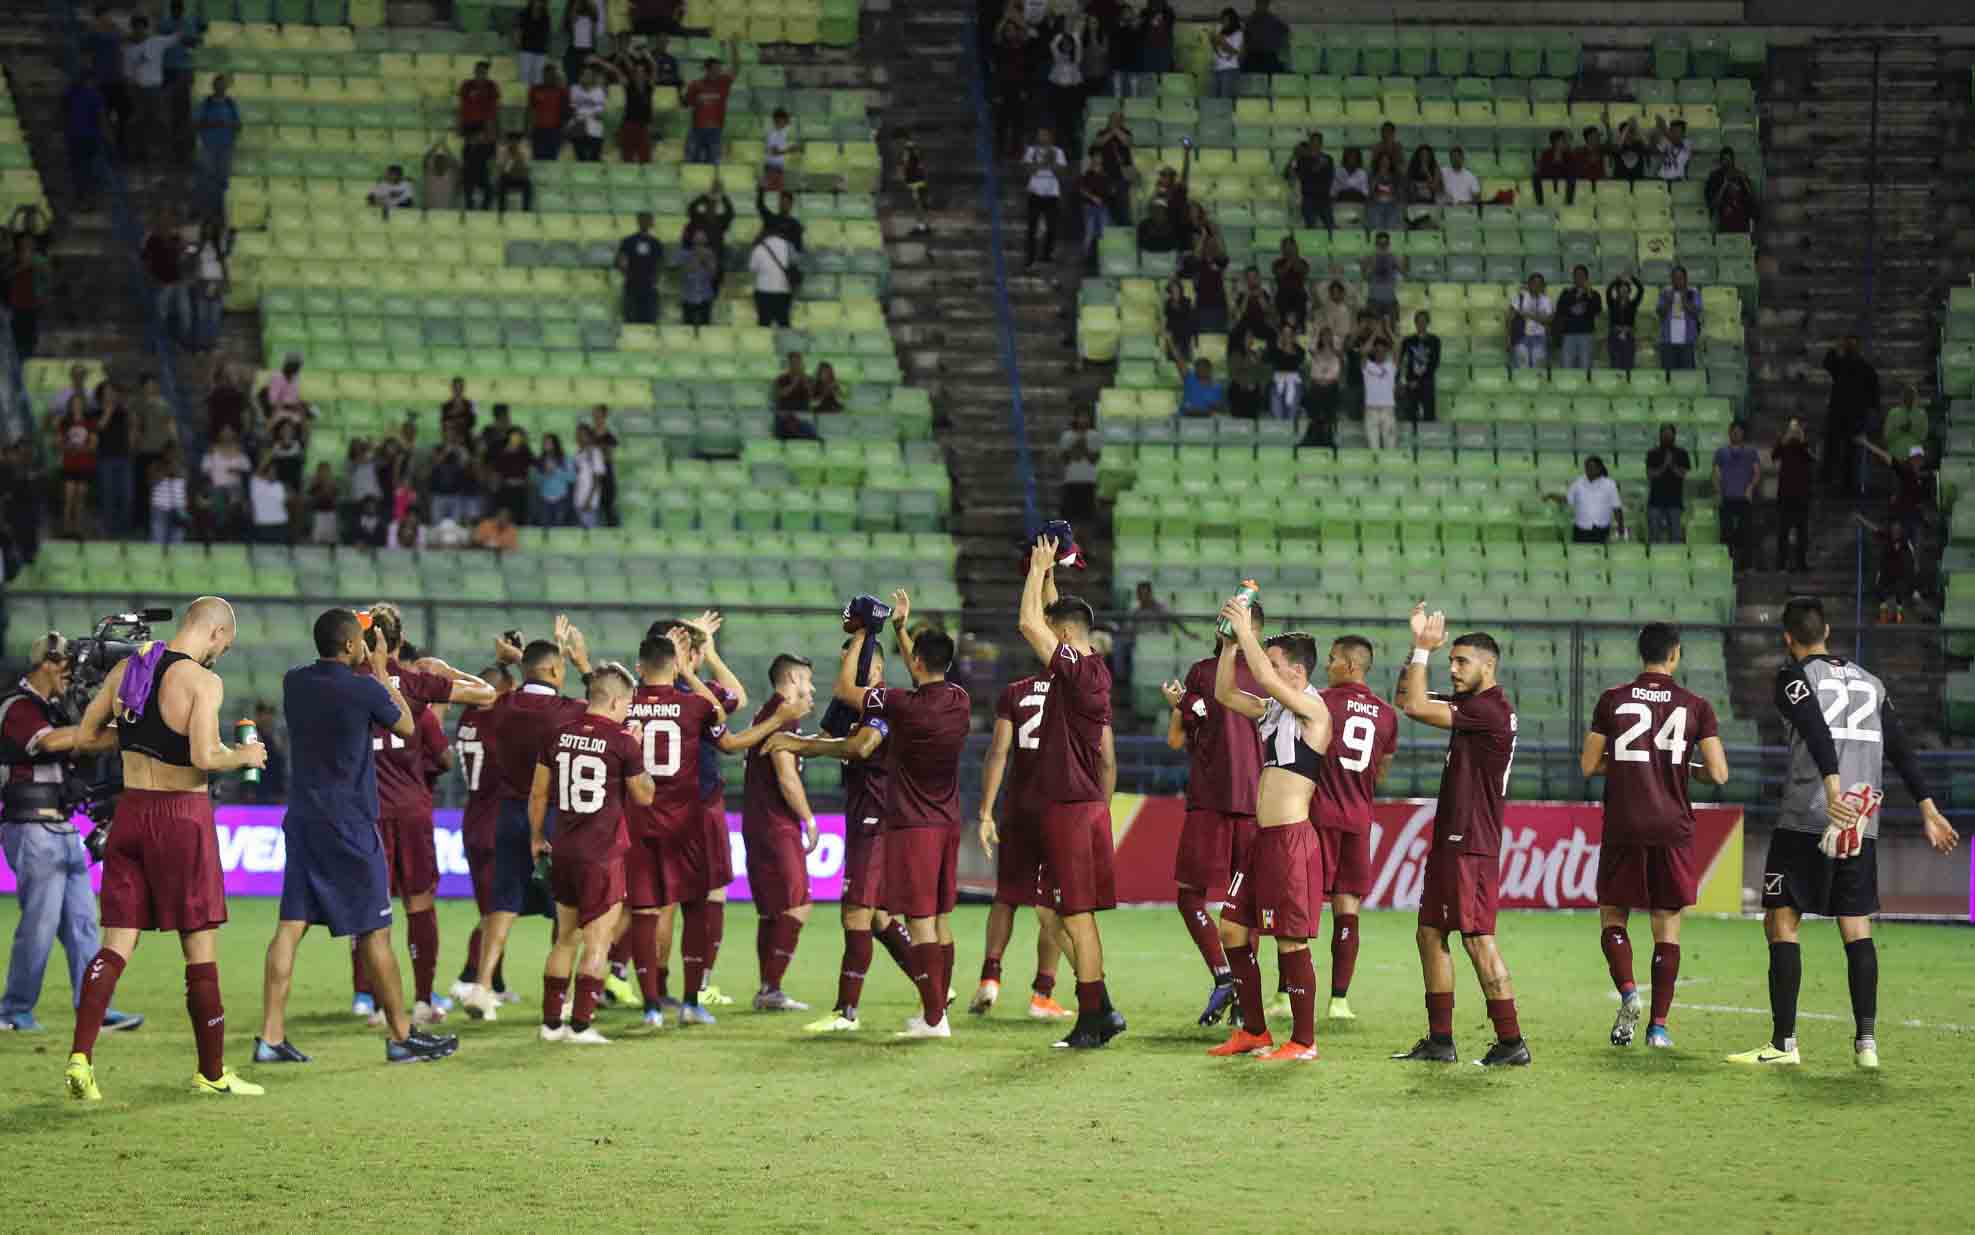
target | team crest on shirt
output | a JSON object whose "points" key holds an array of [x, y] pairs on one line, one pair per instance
{"points": [[1268, 919], [1797, 691]]}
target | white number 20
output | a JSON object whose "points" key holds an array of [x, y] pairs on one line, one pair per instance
{"points": [[1358, 736], [1837, 691], [1671, 738], [581, 782], [666, 768]]}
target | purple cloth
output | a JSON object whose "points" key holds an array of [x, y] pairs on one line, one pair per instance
{"points": [[140, 677]]}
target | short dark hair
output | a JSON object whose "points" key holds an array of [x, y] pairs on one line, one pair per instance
{"points": [[333, 629], [1480, 641], [1657, 642], [933, 649], [783, 665], [1803, 620], [1298, 648], [1071, 610], [655, 652], [538, 653], [1357, 647], [388, 622]]}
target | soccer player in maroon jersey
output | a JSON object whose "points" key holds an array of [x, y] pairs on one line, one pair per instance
{"points": [[1224, 760], [473, 739], [671, 724], [1018, 861], [521, 723], [703, 904], [404, 819], [1075, 773], [1464, 866], [1639, 738], [780, 831], [588, 767], [1279, 887], [1364, 731]]}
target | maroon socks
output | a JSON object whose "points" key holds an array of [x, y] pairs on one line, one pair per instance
{"points": [[202, 1004], [856, 963], [1440, 1015], [588, 991], [693, 948], [1343, 953], [99, 982], [1618, 957], [1206, 935], [991, 969], [1503, 1013], [644, 956], [554, 990], [1666, 975], [422, 931], [1247, 975], [897, 942], [1299, 976], [1045, 984], [929, 975], [779, 940]]}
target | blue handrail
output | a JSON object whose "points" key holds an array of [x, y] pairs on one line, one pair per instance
{"points": [[1003, 311], [1871, 280]]}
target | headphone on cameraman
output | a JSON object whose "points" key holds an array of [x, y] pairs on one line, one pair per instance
{"points": [[54, 649]]}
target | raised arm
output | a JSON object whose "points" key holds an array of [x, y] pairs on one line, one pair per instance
{"points": [[1308, 708], [1429, 632], [405, 726], [1226, 693], [708, 624], [846, 689], [901, 609], [467, 689], [1034, 625], [1175, 723]]}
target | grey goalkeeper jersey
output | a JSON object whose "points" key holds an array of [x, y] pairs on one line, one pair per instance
{"points": [[1841, 722]]}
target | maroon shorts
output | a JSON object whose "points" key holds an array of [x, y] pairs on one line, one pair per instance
{"points": [[922, 871], [1461, 891], [1647, 876], [410, 853], [1076, 874], [480, 868], [591, 888], [1279, 889], [863, 867], [777, 872], [1347, 862], [649, 866], [161, 868], [713, 858], [1018, 858], [1210, 850]]}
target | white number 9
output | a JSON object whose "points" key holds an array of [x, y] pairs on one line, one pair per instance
{"points": [[1359, 736]]}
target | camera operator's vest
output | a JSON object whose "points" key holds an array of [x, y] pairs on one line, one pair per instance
{"points": [[30, 782]]}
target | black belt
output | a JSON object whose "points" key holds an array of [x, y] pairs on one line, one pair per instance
{"points": [[21, 800]]}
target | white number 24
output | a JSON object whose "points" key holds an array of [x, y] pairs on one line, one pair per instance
{"points": [[1671, 738]]}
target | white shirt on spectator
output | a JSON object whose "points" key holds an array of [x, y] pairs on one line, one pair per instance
{"points": [[169, 494], [590, 469], [587, 103], [588, 19], [1541, 306], [1043, 162], [1461, 187], [1066, 60], [1679, 327], [1080, 471], [269, 499], [1342, 181], [778, 143], [225, 468], [144, 63], [769, 260], [1379, 377], [387, 194], [1592, 502], [1231, 59], [1673, 158]]}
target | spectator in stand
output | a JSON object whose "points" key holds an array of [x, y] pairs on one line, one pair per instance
{"points": [[1011, 96], [477, 169], [1292, 280], [210, 277], [1325, 391], [1337, 313], [289, 454], [1200, 394], [178, 76], [323, 505], [1066, 78], [1248, 377], [1351, 184], [455, 498], [1853, 407], [406, 532], [1674, 150], [226, 399], [912, 171], [773, 264], [1044, 160], [102, 47], [1622, 299], [1628, 153], [1589, 157], [1667, 466], [791, 390], [29, 280], [1419, 366], [1595, 505], [1680, 322], [493, 438], [1207, 267], [1725, 172], [1794, 465], [148, 131], [632, 68], [512, 466], [218, 123], [1081, 448], [639, 256], [1113, 148], [1737, 472], [826, 393], [1315, 174], [75, 439], [1097, 56], [497, 532], [86, 122], [534, 29], [154, 431], [1286, 359], [780, 221], [1557, 164], [267, 502], [370, 525], [1383, 271], [706, 99], [1530, 314], [1735, 206], [777, 145], [479, 101], [1166, 227], [281, 398], [1254, 310], [791, 427], [1423, 177], [1385, 194], [171, 506], [1577, 321], [605, 441], [115, 479], [1155, 41], [1267, 40], [555, 477], [585, 22], [1178, 326], [713, 213], [1896, 576], [588, 465], [665, 66], [548, 113], [361, 482], [1381, 396], [1093, 194], [226, 467], [587, 100], [1906, 425], [1458, 185], [163, 248], [512, 174], [394, 192], [699, 278], [1913, 487]]}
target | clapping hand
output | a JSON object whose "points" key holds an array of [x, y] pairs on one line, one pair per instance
{"points": [[1429, 629]]}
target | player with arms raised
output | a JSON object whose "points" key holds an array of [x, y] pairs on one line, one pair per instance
{"points": [[1224, 759], [473, 739], [1364, 731], [1278, 889], [1076, 772], [1464, 866], [709, 862], [1822, 855], [1640, 735]]}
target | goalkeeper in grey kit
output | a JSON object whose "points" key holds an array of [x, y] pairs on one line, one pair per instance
{"points": [[1822, 857]]}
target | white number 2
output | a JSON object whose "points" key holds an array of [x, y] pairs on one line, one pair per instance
{"points": [[1025, 737], [1671, 738], [1358, 737], [669, 767], [1838, 690], [581, 780]]}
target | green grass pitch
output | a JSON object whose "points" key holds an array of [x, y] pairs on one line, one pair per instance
{"points": [[752, 1125]]}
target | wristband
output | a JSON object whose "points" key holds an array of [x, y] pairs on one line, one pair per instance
{"points": [[1420, 656]]}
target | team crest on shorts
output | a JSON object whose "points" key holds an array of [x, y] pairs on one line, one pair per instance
{"points": [[1268, 919], [1773, 884]]}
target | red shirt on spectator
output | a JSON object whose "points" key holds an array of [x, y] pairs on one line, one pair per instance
{"points": [[479, 103], [708, 99], [546, 106]]}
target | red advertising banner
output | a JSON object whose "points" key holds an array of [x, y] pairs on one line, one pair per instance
{"points": [[1549, 852]]}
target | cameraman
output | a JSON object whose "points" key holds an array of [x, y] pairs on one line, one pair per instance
{"points": [[38, 753]]}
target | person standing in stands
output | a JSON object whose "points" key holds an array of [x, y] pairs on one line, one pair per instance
{"points": [[706, 99], [638, 258], [1044, 159], [1854, 403]]}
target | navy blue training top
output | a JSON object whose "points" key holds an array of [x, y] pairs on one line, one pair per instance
{"points": [[332, 774]]}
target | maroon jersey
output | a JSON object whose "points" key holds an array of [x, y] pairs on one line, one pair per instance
{"points": [[1480, 750], [1069, 767], [763, 809], [928, 729], [670, 725], [588, 761], [1650, 724], [401, 787], [1021, 704], [24, 721], [521, 722], [867, 782], [1364, 730], [475, 740], [1224, 750], [430, 737]]}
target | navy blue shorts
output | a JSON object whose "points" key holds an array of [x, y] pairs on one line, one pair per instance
{"points": [[335, 879], [514, 889]]}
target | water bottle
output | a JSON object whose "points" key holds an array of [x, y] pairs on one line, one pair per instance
{"points": [[1246, 595], [245, 731]]}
